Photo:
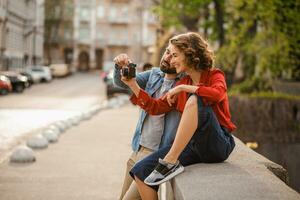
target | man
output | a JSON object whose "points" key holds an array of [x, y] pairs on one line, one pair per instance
{"points": [[152, 132]]}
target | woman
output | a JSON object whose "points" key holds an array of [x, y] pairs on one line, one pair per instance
{"points": [[204, 131]]}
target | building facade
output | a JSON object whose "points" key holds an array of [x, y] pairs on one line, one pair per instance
{"points": [[105, 28], [58, 40], [21, 33]]}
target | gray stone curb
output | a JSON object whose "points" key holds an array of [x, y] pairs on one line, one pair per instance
{"points": [[50, 134]]}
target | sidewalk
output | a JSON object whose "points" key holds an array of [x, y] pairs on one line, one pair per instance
{"points": [[87, 162]]}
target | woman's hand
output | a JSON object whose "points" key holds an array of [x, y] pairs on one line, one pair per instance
{"points": [[172, 94]]}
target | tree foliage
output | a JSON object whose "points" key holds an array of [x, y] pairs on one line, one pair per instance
{"points": [[180, 13], [257, 41]]}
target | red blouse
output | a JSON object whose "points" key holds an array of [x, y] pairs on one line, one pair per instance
{"points": [[212, 88]]}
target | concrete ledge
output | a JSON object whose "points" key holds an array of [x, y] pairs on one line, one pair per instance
{"points": [[245, 175]]}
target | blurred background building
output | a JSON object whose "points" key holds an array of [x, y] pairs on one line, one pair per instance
{"points": [[58, 45], [83, 34], [89, 34], [22, 33], [105, 28]]}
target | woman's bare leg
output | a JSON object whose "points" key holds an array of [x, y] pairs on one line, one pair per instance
{"points": [[186, 129], [146, 192]]}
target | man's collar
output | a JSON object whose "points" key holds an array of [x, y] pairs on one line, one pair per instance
{"points": [[161, 73]]}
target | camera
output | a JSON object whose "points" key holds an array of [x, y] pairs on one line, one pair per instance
{"points": [[129, 71]]}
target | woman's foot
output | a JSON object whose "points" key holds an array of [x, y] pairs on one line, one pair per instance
{"points": [[163, 172], [170, 159]]}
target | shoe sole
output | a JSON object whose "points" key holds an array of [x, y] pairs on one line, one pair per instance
{"points": [[172, 175]]}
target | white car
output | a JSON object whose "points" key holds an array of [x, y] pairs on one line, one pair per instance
{"points": [[39, 73], [59, 70]]}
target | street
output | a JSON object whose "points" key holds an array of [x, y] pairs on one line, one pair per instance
{"points": [[45, 103], [88, 162]]}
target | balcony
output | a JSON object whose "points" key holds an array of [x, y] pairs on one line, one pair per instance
{"points": [[100, 43], [118, 20], [118, 42]]}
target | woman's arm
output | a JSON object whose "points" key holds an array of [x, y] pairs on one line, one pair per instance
{"points": [[214, 93]]}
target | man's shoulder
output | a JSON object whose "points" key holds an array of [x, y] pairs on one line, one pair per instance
{"points": [[156, 70], [156, 73]]}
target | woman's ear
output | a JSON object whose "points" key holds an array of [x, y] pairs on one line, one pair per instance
{"points": [[196, 61]]}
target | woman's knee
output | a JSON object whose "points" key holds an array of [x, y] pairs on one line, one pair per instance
{"points": [[138, 181], [191, 103]]}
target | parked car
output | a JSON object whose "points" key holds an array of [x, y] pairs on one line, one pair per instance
{"points": [[5, 85], [39, 73], [29, 77], [111, 89], [59, 70], [18, 81]]}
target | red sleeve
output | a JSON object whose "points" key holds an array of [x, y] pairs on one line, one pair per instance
{"points": [[216, 91], [151, 105]]}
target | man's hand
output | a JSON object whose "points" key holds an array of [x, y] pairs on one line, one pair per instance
{"points": [[122, 60]]}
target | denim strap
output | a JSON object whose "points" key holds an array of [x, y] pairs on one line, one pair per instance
{"points": [[199, 99]]}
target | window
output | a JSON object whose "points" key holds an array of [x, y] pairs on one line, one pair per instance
{"points": [[119, 36], [100, 11], [84, 33], [113, 13], [56, 12], [68, 34], [119, 13], [124, 12], [151, 37], [100, 34], [84, 12]]}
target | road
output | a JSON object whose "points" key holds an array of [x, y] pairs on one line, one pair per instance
{"points": [[45, 103], [87, 162]]}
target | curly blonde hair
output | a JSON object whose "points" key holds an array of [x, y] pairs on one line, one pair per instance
{"points": [[196, 50]]}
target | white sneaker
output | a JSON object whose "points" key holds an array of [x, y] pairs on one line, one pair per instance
{"points": [[163, 172]]}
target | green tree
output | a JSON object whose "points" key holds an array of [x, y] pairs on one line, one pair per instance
{"points": [[180, 13], [262, 38], [258, 40]]}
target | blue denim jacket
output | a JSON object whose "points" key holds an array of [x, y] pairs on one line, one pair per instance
{"points": [[151, 81]]}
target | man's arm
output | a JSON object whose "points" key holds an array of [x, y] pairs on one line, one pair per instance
{"points": [[123, 60], [141, 78], [141, 98]]}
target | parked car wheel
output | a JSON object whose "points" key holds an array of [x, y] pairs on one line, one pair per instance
{"points": [[19, 88], [4, 91]]}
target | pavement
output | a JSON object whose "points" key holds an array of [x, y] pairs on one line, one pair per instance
{"points": [[88, 162]]}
